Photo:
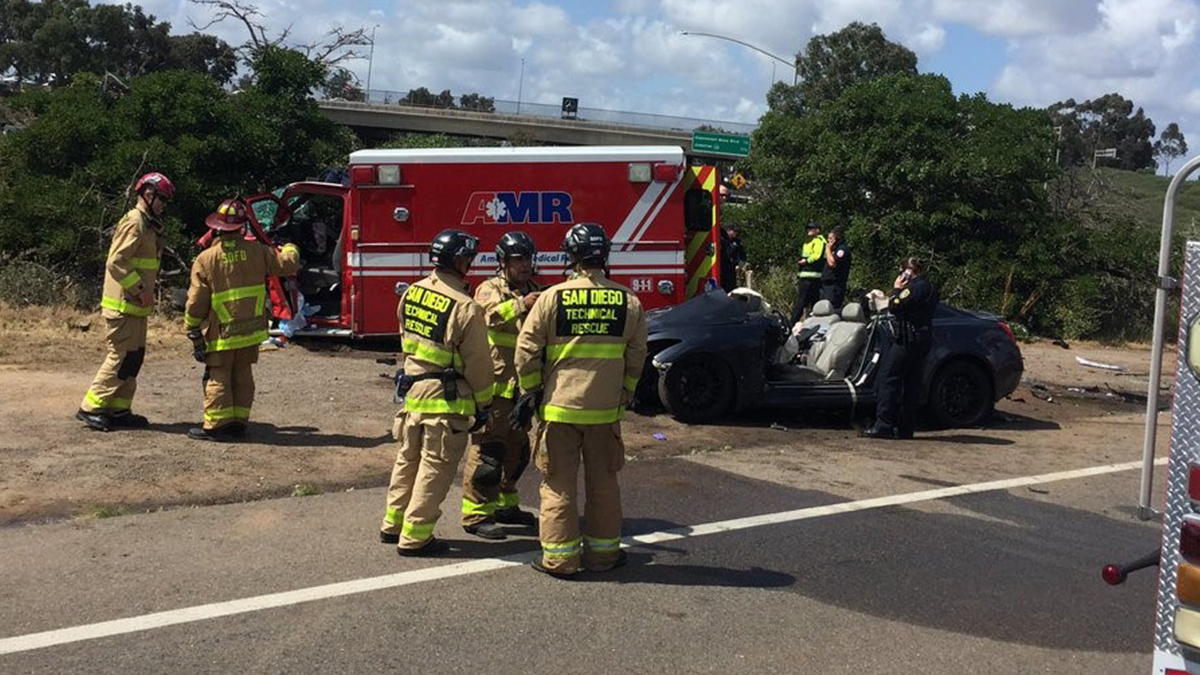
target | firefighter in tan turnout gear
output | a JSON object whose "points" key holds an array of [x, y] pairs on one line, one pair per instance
{"points": [[227, 316], [129, 277], [579, 356], [500, 453], [446, 385]]}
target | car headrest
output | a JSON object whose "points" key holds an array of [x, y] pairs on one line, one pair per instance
{"points": [[822, 308], [854, 312]]}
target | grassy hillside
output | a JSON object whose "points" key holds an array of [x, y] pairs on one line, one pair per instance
{"points": [[1141, 195]]}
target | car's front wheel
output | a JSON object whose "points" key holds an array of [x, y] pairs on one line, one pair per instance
{"points": [[697, 389], [961, 395]]}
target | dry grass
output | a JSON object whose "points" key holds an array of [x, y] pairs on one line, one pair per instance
{"points": [[61, 334]]}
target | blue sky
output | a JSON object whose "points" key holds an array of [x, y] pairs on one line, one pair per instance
{"points": [[629, 55]]}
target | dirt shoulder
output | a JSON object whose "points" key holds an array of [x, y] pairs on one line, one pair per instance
{"points": [[323, 414]]}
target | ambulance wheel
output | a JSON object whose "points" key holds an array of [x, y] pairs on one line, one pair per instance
{"points": [[961, 395], [697, 389]]}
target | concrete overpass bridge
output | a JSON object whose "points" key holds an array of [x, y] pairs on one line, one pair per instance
{"points": [[539, 122]]}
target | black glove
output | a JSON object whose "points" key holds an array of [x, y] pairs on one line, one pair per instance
{"points": [[481, 418], [199, 351], [487, 474], [522, 414]]}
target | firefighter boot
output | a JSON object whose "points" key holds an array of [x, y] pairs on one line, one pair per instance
{"points": [[97, 421], [515, 516], [128, 420], [486, 530], [433, 547], [219, 434]]}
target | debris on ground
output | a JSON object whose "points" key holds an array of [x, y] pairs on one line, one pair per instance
{"points": [[1088, 363], [660, 437], [1040, 391], [779, 427], [387, 361], [1061, 343]]}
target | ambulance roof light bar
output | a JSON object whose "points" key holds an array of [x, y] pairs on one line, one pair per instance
{"points": [[1165, 283]]}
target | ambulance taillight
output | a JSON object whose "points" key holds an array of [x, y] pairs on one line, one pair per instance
{"points": [[666, 173], [362, 175], [1194, 484]]}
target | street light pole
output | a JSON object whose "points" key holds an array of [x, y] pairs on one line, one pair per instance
{"points": [[795, 65], [371, 62], [521, 86]]}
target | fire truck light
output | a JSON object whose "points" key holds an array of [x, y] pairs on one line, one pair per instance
{"points": [[1188, 584], [362, 175], [389, 174], [666, 287], [1194, 483], [1187, 627], [1189, 541], [639, 173], [665, 173]]}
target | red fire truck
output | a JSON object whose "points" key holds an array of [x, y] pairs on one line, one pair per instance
{"points": [[362, 240]]}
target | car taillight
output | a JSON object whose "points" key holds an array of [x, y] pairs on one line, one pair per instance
{"points": [[1008, 331]]}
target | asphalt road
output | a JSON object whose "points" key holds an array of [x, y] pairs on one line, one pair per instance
{"points": [[997, 581]]}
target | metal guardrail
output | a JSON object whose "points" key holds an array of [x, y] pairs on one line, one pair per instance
{"points": [[598, 115]]}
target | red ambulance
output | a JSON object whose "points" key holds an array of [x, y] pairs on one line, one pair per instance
{"points": [[360, 241]]}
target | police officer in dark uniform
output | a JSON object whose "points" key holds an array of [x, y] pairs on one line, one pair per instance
{"points": [[836, 274], [912, 303]]}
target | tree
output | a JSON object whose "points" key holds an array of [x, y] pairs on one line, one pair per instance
{"points": [[50, 42], [910, 169], [477, 102], [1108, 122], [1170, 146], [337, 45], [424, 98], [342, 84], [70, 170], [831, 63]]}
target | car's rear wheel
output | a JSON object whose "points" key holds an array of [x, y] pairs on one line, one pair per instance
{"points": [[961, 395], [697, 389]]}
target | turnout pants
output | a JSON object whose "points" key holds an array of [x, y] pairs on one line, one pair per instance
{"points": [[229, 386], [480, 503], [900, 385], [835, 293], [560, 449], [115, 383], [431, 446], [808, 291]]}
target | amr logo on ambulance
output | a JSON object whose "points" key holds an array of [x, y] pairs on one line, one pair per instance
{"points": [[518, 208]]}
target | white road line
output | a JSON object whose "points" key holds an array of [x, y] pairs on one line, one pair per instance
{"points": [[24, 643]]}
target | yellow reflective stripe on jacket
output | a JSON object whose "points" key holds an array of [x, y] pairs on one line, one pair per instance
{"points": [[585, 350], [470, 508], [417, 531], [125, 307], [131, 280], [531, 381], [566, 549], [145, 263], [498, 339], [459, 406], [484, 396], [631, 383], [507, 309], [238, 342], [435, 355], [505, 390], [191, 321], [553, 413], [509, 500], [257, 291]]}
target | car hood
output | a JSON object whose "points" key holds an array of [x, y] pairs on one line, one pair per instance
{"points": [[714, 308]]}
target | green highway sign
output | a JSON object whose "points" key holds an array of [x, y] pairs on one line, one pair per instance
{"points": [[721, 144]]}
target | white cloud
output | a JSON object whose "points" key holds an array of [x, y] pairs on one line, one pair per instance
{"points": [[629, 54]]}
